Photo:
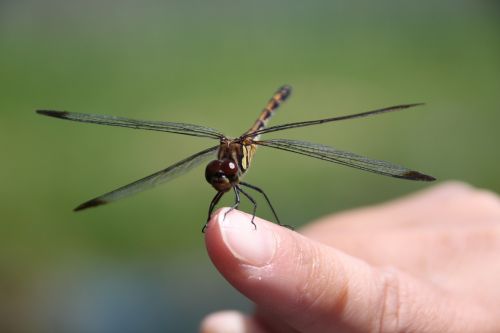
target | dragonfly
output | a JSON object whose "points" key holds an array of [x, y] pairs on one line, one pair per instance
{"points": [[233, 156]]}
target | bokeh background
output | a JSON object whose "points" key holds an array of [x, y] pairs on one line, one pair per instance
{"points": [[139, 265]]}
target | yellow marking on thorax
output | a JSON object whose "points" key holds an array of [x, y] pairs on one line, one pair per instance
{"points": [[248, 152], [239, 153]]}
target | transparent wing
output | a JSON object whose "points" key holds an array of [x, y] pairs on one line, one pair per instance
{"points": [[327, 120], [162, 126], [331, 154], [150, 181]]}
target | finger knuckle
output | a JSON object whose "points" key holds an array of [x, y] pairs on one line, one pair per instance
{"points": [[487, 200], [325, 289]]}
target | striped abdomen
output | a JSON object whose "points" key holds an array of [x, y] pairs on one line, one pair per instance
{"points": [[275, 101]]}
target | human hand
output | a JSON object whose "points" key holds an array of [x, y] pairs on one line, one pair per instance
{"points": [[429, 262]]}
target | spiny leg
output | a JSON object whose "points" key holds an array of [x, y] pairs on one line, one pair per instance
{"points": [[268, 202], [254, 206], [214, 202], [236, 201]]}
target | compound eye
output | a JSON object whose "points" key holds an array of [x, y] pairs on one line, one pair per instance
{"points": [[229, 168], [212, 170]]}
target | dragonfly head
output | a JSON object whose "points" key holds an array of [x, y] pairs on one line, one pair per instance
{"points": [[221, 174]]}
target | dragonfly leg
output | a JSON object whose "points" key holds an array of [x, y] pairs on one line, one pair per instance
{"points": [[268, 202], [236, 201], [254, 206], [214, 202]]}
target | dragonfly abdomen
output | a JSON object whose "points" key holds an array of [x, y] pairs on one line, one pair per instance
{"points": [[279, 96]]}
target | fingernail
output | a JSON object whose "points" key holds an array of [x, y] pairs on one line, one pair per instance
{"points": [[252, 246]]}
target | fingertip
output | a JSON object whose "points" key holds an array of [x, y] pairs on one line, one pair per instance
{"points": [[226, 217], [211, 226], [213, 238], [232, 240], [229, 322]]}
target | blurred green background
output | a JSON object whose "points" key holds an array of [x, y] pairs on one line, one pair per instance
{"points": [[139, 265]]}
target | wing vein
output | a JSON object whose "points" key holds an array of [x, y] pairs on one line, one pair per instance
{"points": [[334, 155], [327, 120], [152, 180], [162, 126]]}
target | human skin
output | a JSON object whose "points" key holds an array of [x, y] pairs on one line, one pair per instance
{"points": [[429, 262]]}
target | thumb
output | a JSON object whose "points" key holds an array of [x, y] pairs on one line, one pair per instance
{"points": [[315, 288]]}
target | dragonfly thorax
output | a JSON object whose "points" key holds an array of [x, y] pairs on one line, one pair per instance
{"points": [[222, 174]]}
